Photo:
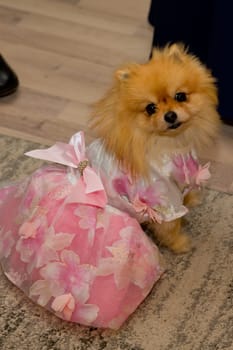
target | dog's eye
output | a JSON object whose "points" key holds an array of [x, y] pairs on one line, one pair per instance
{"points": [[181, 97], [151, 108]]}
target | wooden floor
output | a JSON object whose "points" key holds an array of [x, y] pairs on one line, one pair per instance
{"points": [[65, 52]]}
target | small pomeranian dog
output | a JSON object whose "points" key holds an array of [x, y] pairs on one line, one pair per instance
{"points": [[150, 125]]}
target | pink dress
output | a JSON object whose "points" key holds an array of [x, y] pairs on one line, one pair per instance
{"points": [[65, 244]]}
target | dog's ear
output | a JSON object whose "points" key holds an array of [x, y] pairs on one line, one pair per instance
{"points": [[125, 72], [176, 51]]}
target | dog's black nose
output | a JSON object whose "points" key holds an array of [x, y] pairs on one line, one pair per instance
{"points": [[170, 117]]}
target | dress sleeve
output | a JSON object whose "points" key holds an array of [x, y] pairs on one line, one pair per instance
{"points": [[158, 199]]}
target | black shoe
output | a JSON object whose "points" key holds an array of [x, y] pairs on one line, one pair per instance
{"points": [[8, 79]]}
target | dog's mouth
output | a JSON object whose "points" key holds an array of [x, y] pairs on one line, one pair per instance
{"points": [[175, 125]]}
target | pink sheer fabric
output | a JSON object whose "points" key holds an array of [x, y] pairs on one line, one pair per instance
{"points": [[68, 249]]}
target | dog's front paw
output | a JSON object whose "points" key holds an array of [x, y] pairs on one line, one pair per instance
{"points": [[182, 244], [193, 199]]}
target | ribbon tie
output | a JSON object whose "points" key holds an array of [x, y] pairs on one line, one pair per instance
{"points": [[73, 155], [144, 209]]}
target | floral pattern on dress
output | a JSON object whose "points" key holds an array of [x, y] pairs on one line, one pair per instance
{"points": [[128, 258], [70, 287], [37, 249], [87, 221]]}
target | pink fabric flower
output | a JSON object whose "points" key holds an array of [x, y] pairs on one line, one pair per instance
{"points": [[64, 304], [153, 194], [142, 197], [203, 174], [144, 209]]}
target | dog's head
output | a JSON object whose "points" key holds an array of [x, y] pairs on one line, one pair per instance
{"points": [[170, 101]]}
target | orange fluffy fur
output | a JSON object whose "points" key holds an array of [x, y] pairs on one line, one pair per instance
{"points": [[133, 137]]}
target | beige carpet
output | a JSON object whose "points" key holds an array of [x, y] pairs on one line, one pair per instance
{"points": [[191, 308]]}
